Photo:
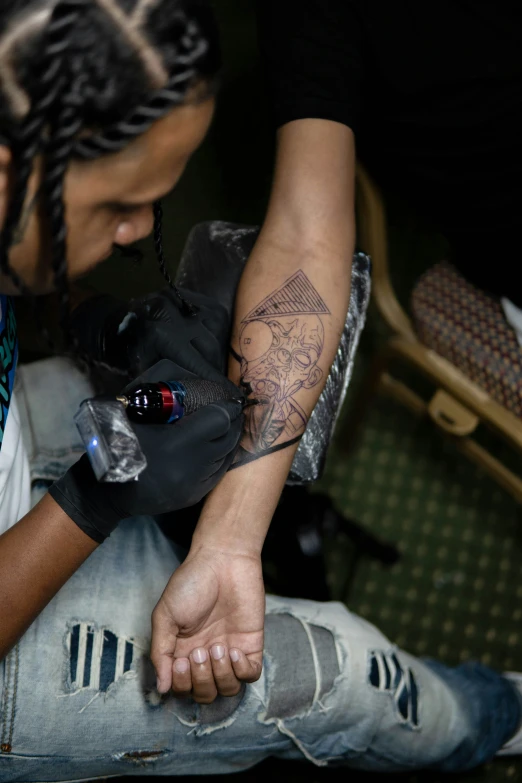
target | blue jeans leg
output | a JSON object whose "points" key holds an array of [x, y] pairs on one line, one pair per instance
{"points": [[78, 698], [493, 711]]}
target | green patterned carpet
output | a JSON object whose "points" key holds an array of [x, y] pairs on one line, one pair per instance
{"points": [[457, 591]]}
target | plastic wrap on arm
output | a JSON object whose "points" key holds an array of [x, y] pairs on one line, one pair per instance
{"points": [[212, 263]]}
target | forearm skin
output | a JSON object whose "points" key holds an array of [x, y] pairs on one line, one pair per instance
{"points": [[37, 557], [290, 313]]}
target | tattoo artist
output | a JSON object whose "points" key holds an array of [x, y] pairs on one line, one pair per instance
{"points": [[68, 193]]}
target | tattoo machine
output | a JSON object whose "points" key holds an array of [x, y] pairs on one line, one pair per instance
{"points": [[104, 424]]}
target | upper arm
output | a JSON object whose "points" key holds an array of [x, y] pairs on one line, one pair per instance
{"points": [[312, 200]]}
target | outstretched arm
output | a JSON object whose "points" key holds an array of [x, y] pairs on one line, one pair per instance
{"points": [[290, 313], [37, 557]]}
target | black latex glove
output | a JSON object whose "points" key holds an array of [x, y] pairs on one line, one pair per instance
{"points": [[185, 461], [132, 337]]}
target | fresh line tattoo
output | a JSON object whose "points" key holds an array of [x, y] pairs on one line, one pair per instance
{"points": [[280, 343]]}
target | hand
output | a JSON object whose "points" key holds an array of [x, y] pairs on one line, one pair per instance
{"points": [[162, 330], [208, 626], [132, 337], [184, 462]]}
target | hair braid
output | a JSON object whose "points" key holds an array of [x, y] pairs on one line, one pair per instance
{"points": [[29, 143], [64, 126], [188, 307], [30, 137], [192, 48], [58, 152]]}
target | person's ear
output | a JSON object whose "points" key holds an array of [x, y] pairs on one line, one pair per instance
{"points": [[5, 165]]}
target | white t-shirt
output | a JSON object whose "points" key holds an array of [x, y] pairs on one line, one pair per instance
{"points": [[15, 480], [15, 476]]}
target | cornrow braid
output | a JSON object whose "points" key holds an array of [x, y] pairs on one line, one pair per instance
{"points": [[141, 119], [31, 134], [64, 127], [188, 307], [62, 135]]}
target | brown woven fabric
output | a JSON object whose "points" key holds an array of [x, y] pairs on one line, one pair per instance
{"points": [[468, 327]]}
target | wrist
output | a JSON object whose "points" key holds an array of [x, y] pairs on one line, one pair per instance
{"points": [[237, 516], [230, 534], [216, 551]]}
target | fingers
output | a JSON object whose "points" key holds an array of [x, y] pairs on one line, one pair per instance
{"points": [[216, 671], [231, 406], [220, 448], [224, 451], [181, 677], [204, 689], [247, 668], [213, 421], [209, 348], [227, 683]]}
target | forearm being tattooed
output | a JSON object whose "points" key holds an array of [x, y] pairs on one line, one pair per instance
{"points": [[281, 342], [284, 342], [290, 311]]}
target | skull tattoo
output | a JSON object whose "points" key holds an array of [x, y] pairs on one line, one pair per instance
{"points": [[279, 357]]}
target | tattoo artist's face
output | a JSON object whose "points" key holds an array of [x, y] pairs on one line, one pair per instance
{"points": [[110, 200]]}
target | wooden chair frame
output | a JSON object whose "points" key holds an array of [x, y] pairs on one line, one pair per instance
{"points": [[459, 404]]}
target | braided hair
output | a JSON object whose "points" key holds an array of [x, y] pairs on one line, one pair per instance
{"points": [[69, 70]]}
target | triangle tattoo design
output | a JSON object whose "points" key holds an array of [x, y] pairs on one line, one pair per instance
{"points": [[296, 296]]}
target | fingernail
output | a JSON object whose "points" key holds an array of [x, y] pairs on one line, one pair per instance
{"points": [[199, 655], [234, 655], [218, 651], [181, 665]]}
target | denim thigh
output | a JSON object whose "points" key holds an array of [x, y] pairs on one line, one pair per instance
{"points": [[79, 697]]}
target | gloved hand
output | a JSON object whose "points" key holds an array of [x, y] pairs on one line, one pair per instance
{"points": [[133, 336], [185, 461]]}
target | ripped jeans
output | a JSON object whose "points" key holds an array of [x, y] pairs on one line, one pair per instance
{"points": [[78, 698]]}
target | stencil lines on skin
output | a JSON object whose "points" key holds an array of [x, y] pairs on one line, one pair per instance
{"points": [[280, 344]]}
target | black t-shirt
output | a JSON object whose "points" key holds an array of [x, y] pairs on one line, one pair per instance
{"points": [[433, 92]]}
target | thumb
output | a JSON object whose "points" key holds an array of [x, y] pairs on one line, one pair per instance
{"points": [[163, 646], [247, 668], [234, 407], [211, 421]]}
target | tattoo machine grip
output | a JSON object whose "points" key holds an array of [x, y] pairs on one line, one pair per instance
{"points": [[200, 393], [111, 443]]}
